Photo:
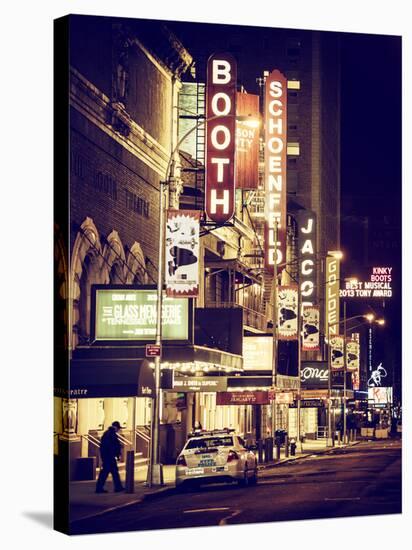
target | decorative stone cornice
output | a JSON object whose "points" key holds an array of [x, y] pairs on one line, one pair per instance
{"points": [[113, 119]]}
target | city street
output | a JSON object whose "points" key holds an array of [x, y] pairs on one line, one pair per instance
{"points": [[360, 480]]}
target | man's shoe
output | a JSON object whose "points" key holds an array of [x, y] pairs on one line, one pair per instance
{"points": [[101, 491], [120, 489]]}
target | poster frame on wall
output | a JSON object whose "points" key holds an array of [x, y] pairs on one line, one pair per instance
{"points": [[333, 345], [281, 333], [176, 285], [305, 345]]}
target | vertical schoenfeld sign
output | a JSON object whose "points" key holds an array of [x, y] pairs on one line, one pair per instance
{"points": [[220, 137], [275, 168]]}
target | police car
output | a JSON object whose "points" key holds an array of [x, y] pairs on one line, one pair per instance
{"points": [[216, 456]]}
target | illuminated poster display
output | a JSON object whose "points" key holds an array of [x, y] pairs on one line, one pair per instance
{"points": [[130, 314], [378, 376], [220, 137], [377, 285], [306, 220], [356, 372], [247, 142], [275, 168], [287, 309], [242, 398], [380, 396], [257, 352], [182, 253], [332, 295], [199, 383], [336, 352], [310, 328], [352, 355]]}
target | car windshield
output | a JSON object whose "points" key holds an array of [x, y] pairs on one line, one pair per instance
{"points": [[209, 442]]}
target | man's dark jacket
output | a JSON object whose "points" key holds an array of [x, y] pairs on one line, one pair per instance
{"points": [[110, 446]]}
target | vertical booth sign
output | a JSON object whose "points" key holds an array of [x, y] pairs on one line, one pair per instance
{"points": [[275, 168], [247, 141], [288, 312], [220, 137], [182, 253], [310, 328], [336, 352], [307, 256], [332, 295]]}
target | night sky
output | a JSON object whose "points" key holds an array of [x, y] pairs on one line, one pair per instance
{"points": [[370, 148]]}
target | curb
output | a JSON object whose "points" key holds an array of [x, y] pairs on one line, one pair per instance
{"points": [[148, 496], [307, 454], [164, 491]]}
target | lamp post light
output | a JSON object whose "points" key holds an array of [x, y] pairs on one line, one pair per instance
{"points": [[155, 468], [370, 318]]}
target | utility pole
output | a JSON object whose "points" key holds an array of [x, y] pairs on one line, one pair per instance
{"points": [[275, 334], [155, 470], [344, 373]]}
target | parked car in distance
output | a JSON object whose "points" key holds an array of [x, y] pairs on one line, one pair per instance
{"points": [[216, 456]]}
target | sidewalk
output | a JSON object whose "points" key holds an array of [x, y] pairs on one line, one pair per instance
{"points": [[84, 502]]}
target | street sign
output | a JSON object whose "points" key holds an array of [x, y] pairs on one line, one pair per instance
{"points": [[153, 350]]}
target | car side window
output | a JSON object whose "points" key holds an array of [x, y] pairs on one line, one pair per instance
{"points": [[241, 442]]}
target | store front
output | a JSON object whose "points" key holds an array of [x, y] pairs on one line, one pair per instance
{"points": [[105, 385]]}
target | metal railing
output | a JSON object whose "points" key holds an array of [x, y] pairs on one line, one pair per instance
{"points": [[91, 439], [143, 434], [124, 440]]}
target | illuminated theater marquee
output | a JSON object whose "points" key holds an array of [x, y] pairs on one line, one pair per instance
{"points": [[275, 168], [220, 137], [307, 256], [379, 285]]}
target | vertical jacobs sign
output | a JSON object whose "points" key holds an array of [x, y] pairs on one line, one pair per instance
{"points": [[220, 137], [332, 296], [275, 168], [307, 256]]}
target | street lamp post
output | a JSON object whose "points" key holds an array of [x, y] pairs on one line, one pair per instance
{"points": [[275, 335], [345, 320], [155, 469], [344, 375]]}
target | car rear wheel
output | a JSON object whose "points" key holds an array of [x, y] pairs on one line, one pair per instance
{"points": [[254, 479], [244, 482]]}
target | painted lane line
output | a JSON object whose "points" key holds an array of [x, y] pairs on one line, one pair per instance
{"points": [[224, 520], [205, 510]]}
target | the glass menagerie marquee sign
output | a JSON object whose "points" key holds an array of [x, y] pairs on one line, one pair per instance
{"points": [[130, 314]]}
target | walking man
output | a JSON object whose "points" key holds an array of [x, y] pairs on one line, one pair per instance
{"points": [[110, 448]]}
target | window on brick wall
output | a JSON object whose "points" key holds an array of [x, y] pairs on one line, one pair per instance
{"points": [[293, 148], [89, 276]]}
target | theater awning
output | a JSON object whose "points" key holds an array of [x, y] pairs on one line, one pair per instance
{"points": [[111, 378]]}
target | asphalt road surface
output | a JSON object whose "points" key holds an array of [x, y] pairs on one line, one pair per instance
{"points": [[358, 481]]}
